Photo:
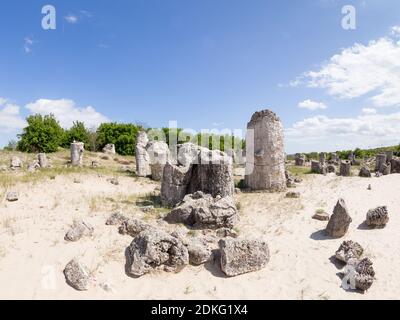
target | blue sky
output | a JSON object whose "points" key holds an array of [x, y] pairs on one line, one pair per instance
{"points": [[207, 64]]}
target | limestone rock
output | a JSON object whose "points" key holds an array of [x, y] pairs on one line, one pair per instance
{"points": [[340, 220], [42, 160], [300, 159], [116, 219], [345, 168], [331, 168], [175, 184], [16, 163], [12, 196], [243, 256], [213, 174], [77, 275], [155, 250], [200, 251], [225, 233], [378, 217], [142, 157], [133, 227], [349, 250], [395, 165], [265, 166], [78, 230], [321, 216], [317, 167], [365, 274], [202, 211], [159, 155], [109, 148], [293, 195], [33, 166], [386, 169], [77, 149], [380, 160], [365, 172]]}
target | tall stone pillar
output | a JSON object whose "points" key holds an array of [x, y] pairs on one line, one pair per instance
{"points": [[142, 157], [265, 166], [42, 159], [77, 149]]}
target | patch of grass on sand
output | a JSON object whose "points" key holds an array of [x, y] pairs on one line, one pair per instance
{"points": [[299, 171]]}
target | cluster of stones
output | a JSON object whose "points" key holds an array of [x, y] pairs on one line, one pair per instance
{"points": [[359, 272], [386, 163], [40, 162]]}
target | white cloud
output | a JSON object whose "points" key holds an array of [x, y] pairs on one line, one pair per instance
{"points": [[369, 110], [323, 133], [395, 31], [371, 69], [71, 18], [312, 105], [66, 112], [10, 119]]}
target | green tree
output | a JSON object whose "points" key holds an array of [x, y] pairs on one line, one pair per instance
{"points": [[78, 132], [43, 134], [123, 135]]}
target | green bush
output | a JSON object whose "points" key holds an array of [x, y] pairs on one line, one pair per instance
{"points": [[123, 135], [77, 132], [43, 134]]}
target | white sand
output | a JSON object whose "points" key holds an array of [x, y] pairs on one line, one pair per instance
{"points": [[33, 252]]}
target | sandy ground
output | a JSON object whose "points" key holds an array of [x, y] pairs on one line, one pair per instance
{"points": [[33, 252]]}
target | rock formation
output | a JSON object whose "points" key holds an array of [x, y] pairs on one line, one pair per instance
{"points": [[300, 159], [242, 256], [345, 168], [349, 250], [142, 157], [159, 155], [42, 160], [378, 217], [78, 230], [317, 167], [109, 148], [155, 250], [77, 149], [365, 172], [203, 211], [15, 163], [265, 166], [339, 222], [77, 275], [380, 161]]}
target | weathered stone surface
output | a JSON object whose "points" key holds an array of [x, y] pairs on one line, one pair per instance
{"points": [[33, 166], [340, 220], [242, 256], [317, 167], [201, 210], [42, 160], [142, 157], [200, 250], [116, 219], [213, 174], [331, 168], [365, 172], [395, 165], [155, 250], [378, 217], [159, 154], [380, 160], [349, 250], [78, 230], [345, 168], [322, 158], [77, 150], [265, 166], [16, 163], [321, 216], [188, 154], [109, 148], [293, 195], [389, 156], [365, 274], [12, 196], [77, 275], [226, 232], [133, 227], [300, 159], [385, 169], [175, 184]]}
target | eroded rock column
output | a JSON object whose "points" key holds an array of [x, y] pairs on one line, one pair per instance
{"points": [[77, 149], [265, 166], [142, 156]]}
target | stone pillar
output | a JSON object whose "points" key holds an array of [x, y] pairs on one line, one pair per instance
{"points": [[389, 156], [42, 159], [265, 166], [109, 148], [213, 174], [142, 157], [380, 160], [77, 149], [299, 159], [159, 155], [318, 167], [345, 168], [322, 158]]}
